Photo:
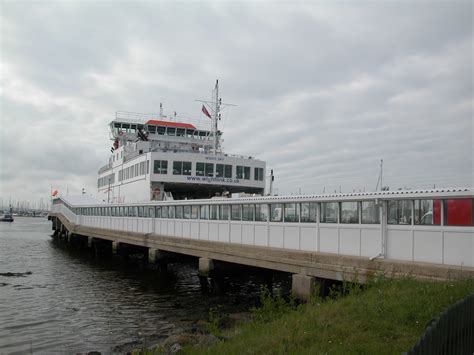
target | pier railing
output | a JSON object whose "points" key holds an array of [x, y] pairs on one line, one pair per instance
{"points": [[452, 333]]}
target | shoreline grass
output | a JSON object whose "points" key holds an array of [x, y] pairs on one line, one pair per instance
{"points": [[388, 316]]}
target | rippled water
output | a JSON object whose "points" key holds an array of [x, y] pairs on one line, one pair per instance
{"points": [[54, 299]]}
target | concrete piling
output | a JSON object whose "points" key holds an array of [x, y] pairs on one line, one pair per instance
{"points": [[302, 286], [205, 267]]}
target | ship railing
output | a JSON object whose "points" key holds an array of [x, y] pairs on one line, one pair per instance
{"points": [[105, 168], [143, 117]]}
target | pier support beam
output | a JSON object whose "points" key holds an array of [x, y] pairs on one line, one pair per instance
{"points": [[302, 286], [205, 267], [90, 242], [115, 248]]}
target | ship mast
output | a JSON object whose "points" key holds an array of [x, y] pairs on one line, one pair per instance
{"points": [[215, 108]]}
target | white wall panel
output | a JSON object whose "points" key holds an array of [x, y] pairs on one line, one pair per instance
{"points": [[261, 235], [186, 229], [178, 228], [349, 241], [291, 237], [204, 230], [236, 233], [309, 239], [276, 236], [399, 244], [171, 228], [428, 246], [194, 226], [459, 248], [371, 242], [247, 234], [224, 232], [328, 239], [214, 231]]}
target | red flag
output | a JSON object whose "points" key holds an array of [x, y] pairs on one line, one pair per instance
{"points": [[55, 192], [205, 111]]}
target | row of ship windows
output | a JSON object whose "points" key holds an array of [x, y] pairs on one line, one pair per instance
{"points": [[162, 130], [135, 170], [106, 180], [207, 169], [182, 168], [404, 212]]}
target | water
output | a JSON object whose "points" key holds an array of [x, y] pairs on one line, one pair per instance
{"points": [[53, 299]]}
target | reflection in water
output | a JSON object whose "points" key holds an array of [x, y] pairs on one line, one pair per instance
{"points": [[53, 298]]}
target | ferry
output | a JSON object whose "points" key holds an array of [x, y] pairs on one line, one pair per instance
{"points": [[158, 157], [7, 217], [169, 178]]}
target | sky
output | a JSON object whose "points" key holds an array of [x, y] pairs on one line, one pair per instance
{"points": [[324, 90]]}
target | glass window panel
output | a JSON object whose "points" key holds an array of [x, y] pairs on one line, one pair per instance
{"points": [[177, 168], [140, 211], [261, 213], [350, 212], [205, 212], [209, 169], [392, 212], [276, 212], [186, 168], [291, 212], [239, 174], [404, 211], [145, 212], [247, 172], [187, 212], [213, 213], [164, 212], [329, 212], [370, 213], [236, 212], [171, 212], [151, 212], [195, 212], [428, 212], [199, 169], [224, 212], [247, 212], [219, 170], [308, 212], [158, 212], [179, 212], [227, 171]]}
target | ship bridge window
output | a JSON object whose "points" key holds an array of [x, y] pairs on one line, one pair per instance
{"points": [[126, 126], [199, 169], [161, 130], [243, 172], [258, 174], [428, 212], [117, 125], [350, 212], [160, 167], [202, 134], [189, 132], [400, 212], [181, 168], [171, 131], [133, 128], [152, 129], [370, 213], [329, 212], [308, 212], [224, 170], [292, 213], [180, 132]]}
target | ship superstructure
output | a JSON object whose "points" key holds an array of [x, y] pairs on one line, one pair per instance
{"points": [[156, 157]]}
